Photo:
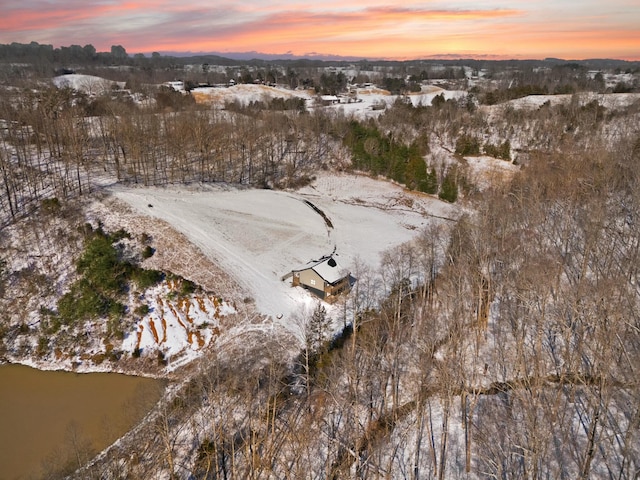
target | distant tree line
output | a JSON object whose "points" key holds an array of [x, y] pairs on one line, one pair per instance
{"points": [[36, 53]]}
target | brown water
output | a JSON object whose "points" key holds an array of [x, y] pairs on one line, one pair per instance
{"points": [[49, 420]]}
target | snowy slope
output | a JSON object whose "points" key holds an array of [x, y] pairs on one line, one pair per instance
{"points": [[608, 100], [370, 101], [177, 326], [244, 93], [88, 84], [258, 236]]}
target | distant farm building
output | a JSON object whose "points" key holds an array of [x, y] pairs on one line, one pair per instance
{"points": [[324, 278], [326, 100]]}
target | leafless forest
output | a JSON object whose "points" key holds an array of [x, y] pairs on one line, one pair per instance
{"points": [[504, 345]]}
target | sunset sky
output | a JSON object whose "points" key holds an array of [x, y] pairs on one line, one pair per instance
{"points": [[570, 29]]}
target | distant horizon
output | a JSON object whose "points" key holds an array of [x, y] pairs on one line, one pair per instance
{"points": [[254, 55], [251, 55], [367, 29]]}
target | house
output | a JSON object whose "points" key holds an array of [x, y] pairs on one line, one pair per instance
{"points": [[326, 100], [324, 278]]}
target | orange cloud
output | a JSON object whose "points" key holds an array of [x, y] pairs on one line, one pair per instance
{"points": [[302, 32], [296, 28]]}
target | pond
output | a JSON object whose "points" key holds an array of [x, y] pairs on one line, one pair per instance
{"points": [[50, 419]]}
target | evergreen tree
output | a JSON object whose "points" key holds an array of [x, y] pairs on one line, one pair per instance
{"points": [[416, 174], [431, 182], [505, 151], [449, 188], [318, 329], [467, 145]]}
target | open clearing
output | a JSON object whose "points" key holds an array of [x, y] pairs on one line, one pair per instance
{"points": [[257, 236]]}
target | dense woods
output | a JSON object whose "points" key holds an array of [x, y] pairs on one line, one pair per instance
{"points": [[503, 345]]}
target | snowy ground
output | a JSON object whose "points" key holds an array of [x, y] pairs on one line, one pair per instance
{"points": [[611, 101], [177, 326], [258, 236], [88, 84], [368, 101], [245, 93]]}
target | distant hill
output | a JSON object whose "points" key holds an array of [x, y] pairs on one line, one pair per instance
{"points": [[253, 55], [233, 58], [63, 57]]}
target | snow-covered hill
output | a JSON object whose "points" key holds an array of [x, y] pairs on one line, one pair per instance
{"points": [[89, 84], [608, 100], [364, 102]]}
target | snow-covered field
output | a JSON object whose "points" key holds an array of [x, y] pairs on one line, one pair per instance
{"points": [[258, 236], [88, 84], [245, 93], [609, 100], [372, 100], [366, 102], [369, 101]]}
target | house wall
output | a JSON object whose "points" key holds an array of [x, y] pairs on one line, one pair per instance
{"points": [[311, 279]]}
